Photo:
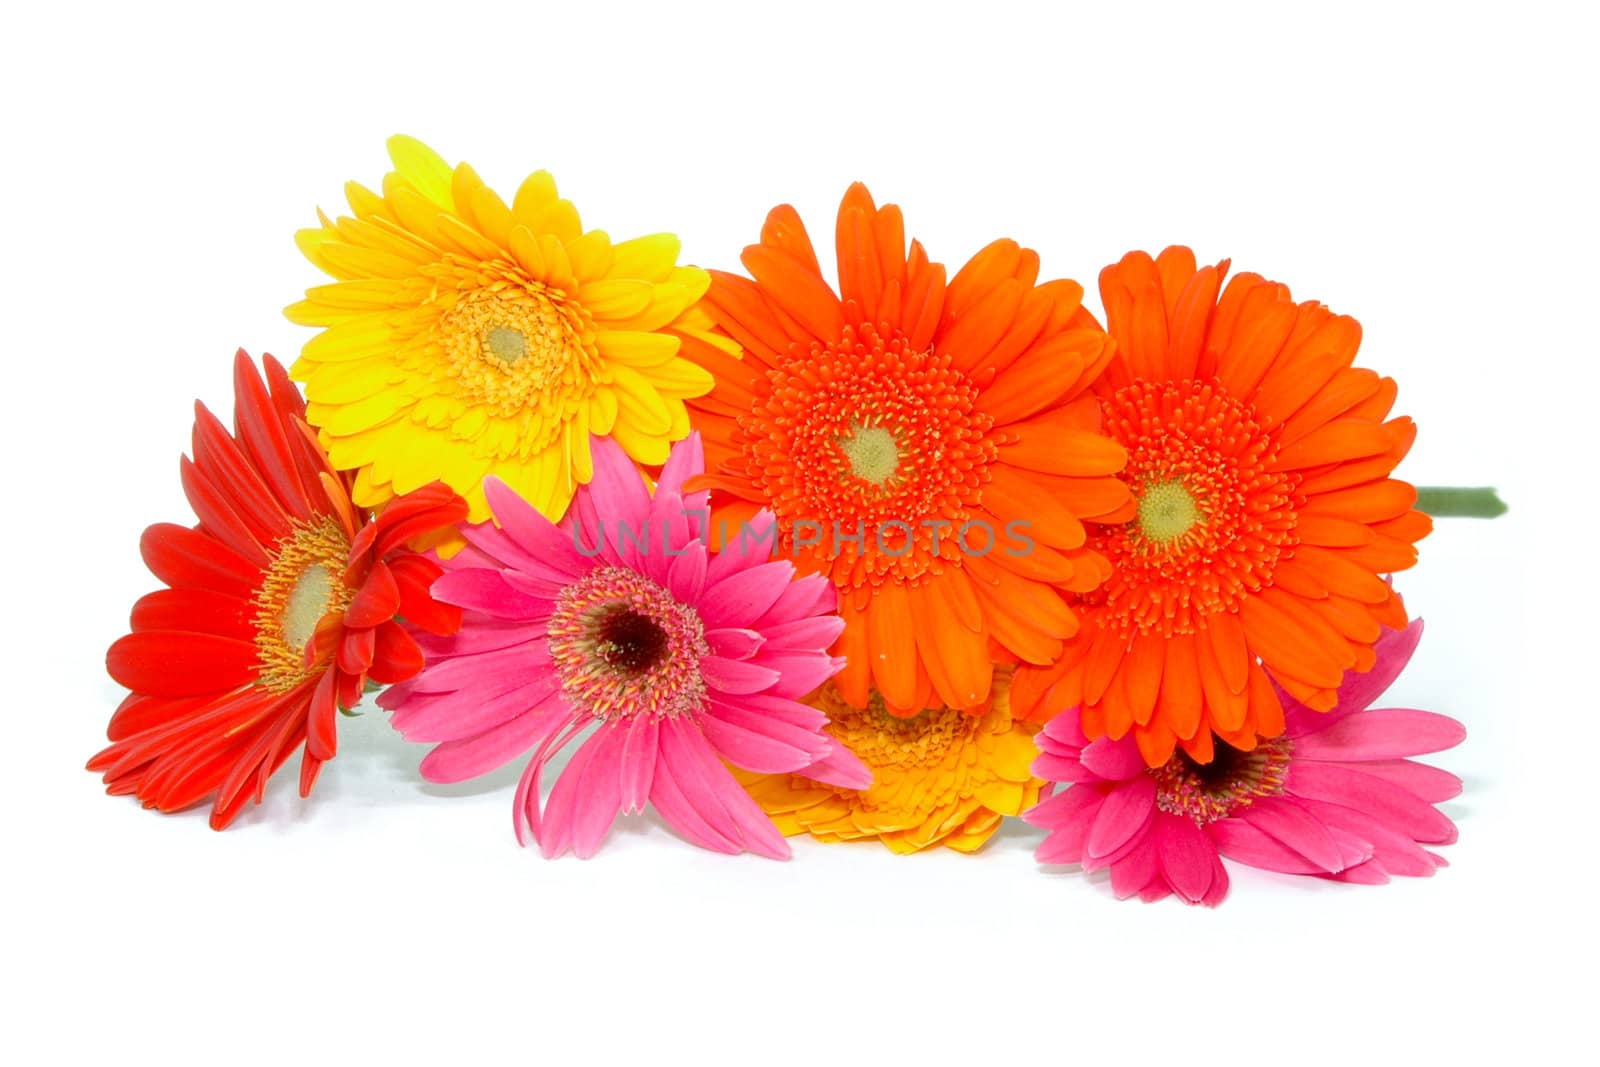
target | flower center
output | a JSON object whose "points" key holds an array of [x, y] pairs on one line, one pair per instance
{"points": [[513, 348], [881, 739], [1206, 792], [304, 584], [871, 442], [506, 343], [623, 646], [630, 642], [1167, 511], [873, 453], [1214, 517]]}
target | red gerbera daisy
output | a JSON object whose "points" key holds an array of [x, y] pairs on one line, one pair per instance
{"points": [[281, 604]]}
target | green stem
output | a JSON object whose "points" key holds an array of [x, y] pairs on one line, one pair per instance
{"points": [[1452, 502]]}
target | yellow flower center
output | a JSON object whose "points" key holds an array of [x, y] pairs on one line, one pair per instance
{"points": [[517, 348], [304, 584], [884, 740], [873, 453], [1167, 511]]}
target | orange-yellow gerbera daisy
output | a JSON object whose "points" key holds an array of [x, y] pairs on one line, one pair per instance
{"points": [[933, 448], [465, 338], [1260, 459], [942, 777]]}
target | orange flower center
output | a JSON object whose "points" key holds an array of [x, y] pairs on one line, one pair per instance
{"points": [[883, 740], [1206, 792], [514, 347], [1213, 518], [867, 451], [304, 585], [623, 646]]}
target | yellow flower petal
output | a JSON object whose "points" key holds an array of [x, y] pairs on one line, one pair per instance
{"points": [[422, 167]]}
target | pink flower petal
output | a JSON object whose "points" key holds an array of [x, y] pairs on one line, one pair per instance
{"points": [[456, 761], [1385, 733], [1238, 840], [570, 799], [770, 719], [1219, 884], [1059, 807], [1054, 768], [757, 751], [1368, 873], [840, 767], [639, 762], [741, 598], [686, 575], [1115, 761], [539, 538], [1124, 816], [687, 458], [590, 538], [484, 634], [495, 671], [799, 673], [712, 792], [672, 802], [1429, 783], [487, 591], [525, 808], [1292, 825], [617, 489], [1138, 867], [1392, 851], [599, 791], [734, 642], [736, 676], [469, 712], [749, 546], [765, 705], [805, 598], [1067, 729], [1188, 858], [817, 633], [1391, 805]]}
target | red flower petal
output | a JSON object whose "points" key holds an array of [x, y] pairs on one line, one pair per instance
{"points": [[176, 664], [396, 656], [195, 611], [415, 576], [260, 431], [377, 600], [188, 559]]}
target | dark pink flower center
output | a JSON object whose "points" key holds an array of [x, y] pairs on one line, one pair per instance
{"points": [[623, 646], [1206, 792]]}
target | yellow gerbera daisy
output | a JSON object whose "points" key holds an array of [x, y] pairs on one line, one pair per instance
{"points": [[941, 777], [464, 337]]}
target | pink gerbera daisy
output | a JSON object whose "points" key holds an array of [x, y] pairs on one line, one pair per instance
{"points": [[620, 621], [1334, 796]]}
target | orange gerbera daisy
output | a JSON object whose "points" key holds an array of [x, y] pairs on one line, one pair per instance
{"points": [[1260, 460], [933, 448]]}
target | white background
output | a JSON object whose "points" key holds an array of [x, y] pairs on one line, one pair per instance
{"points": [[1427, 169]]}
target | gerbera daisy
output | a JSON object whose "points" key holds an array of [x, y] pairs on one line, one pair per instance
{"points": [[464, 337], [619, 620], [941, 777], [1333, 796], [281, 605], [1260, 461], [931, 448]]}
